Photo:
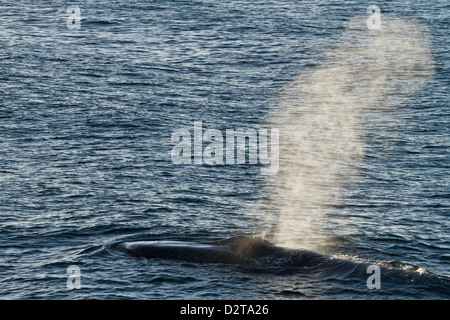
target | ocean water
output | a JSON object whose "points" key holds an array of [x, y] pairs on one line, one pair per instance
{"points": [[86, 123]]}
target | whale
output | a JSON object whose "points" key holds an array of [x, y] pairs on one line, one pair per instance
{"points": [[256, 254], [241, 250], [236, 250]]}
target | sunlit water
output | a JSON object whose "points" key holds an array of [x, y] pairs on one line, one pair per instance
{"points": [[86, 118]]}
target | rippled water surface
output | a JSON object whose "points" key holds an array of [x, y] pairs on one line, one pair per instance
{"points": [[86, 120]]}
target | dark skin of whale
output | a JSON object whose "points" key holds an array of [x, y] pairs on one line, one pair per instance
{"points": [[236, 250], [258, 253]]}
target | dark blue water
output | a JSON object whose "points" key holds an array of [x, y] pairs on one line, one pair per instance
{"points": [[86, 118]]}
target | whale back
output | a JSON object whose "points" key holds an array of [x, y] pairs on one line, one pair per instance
{"points": [[247, 247], [186, 251]]}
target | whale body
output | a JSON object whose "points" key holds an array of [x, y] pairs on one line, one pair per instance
{"points": [[186, 251], [236, 250], [251, 253]]}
